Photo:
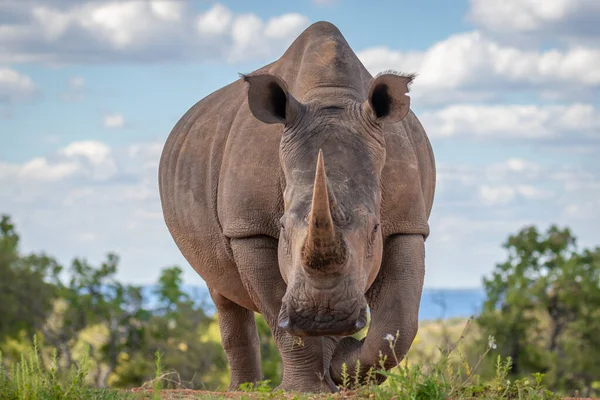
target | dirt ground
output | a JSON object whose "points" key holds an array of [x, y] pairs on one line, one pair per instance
{"points": [[181, 394]]}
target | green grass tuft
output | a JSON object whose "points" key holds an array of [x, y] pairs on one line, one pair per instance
{"points": [[31, 379], [157, 386], [450, 377], [258, 387]]}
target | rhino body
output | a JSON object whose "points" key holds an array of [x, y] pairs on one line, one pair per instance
{"points": [[302, 191]]}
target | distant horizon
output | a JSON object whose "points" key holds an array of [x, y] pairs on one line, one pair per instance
{"points": [[431, 308]]}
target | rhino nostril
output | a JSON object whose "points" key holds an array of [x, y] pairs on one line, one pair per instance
{"points": [[284, 323], [360, 323], [284, 317]]}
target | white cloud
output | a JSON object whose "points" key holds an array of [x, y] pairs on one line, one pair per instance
{"points": [[216, 21], [583, 210], [470, 66], [39, 169], [90, 160], [572, 21], [513, 168], [252, 36], [492, 195], [139, 31], [518, 122], [87, 199], [461, 249], [168, 10], [96, 152], [381, 58], [114, 121], [75, 89], [14, 86], [478, 206], [504, 194], [76, 82], [285, 26], [246, 33], [515, 179], [119, 24]]}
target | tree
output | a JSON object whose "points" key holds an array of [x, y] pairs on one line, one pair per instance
{"points": [[173, 330], [126, 319], [542, 307], [26, 289], [86, 300]]}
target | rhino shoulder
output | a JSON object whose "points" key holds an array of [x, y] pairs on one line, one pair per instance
{"points": [[408, 179], [250, 196]]}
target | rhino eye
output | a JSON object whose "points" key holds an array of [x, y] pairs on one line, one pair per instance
{"points": [[371, 241]]}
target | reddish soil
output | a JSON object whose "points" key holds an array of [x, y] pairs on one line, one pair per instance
{"points": [[180, 394]]}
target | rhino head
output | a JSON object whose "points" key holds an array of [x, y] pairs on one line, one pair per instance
{"points": [[332, 154]]}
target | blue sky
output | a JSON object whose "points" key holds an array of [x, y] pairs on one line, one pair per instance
{"points": [[89, 90]]}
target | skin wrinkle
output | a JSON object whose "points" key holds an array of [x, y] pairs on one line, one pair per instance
{"points": [[342, 311], [247, 167], [315, 92]]}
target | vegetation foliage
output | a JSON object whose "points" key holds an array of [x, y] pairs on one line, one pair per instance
{"points": [[543, 308], [78, 333]]}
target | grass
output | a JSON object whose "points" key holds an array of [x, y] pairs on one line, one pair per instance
{"points": [[30, 379], [449, 377]]}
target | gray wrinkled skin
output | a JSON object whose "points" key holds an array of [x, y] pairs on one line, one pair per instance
{"points": [[302, 191]]}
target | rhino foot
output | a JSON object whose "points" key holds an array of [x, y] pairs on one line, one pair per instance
{"points": [[307, 384]]}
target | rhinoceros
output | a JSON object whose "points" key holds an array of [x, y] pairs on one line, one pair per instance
{"points": [[302, 191]]}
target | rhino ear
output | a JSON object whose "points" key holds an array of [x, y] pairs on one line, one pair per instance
{"points": [[388, 100], [269, 99]]}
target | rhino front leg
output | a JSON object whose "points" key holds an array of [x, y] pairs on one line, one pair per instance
{"points": [[239, 338], [305, 362], [394, 300]]}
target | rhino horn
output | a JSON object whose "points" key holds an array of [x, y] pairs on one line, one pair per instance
{"points": [[323, 245], [320, 221]]}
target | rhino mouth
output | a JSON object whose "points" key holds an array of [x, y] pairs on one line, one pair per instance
{"points": [[299, 319]]}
